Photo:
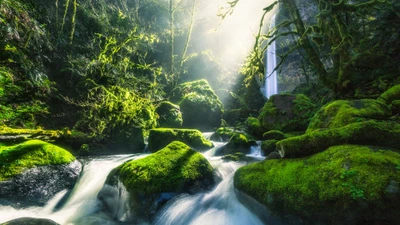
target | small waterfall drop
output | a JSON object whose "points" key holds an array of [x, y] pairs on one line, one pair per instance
{"points": [[271, 79]]}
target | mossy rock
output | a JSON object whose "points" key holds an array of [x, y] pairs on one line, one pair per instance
{"points": [[390, 95], [371, 132], [343, 112], [268, 146], [286, 113], [200, 106], [169, 115], [161, 137], [224, 134], [396, 107], [237, 143], [345, 184], [175, 169], [254, 127], [18, 158], [274, 135], [237, 157], [30, 221], [31, 173]]}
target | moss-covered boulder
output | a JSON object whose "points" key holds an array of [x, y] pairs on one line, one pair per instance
{"points": [[30, 221], [390, 95], [343, 112], [254, 127], [224, 134], [237, 143], [237, 157], [153, 180], [34, 171], [286, 112], [161, 137], [274, 135], [268, 146], [169, 115], [371, 132], [200, 106], [342, 185]]}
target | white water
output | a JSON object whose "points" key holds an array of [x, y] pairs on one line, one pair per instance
{"points": [[219, 206], [271, 80], [83, 198], [255, 151]]}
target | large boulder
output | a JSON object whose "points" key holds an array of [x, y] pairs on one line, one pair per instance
{"points": [[161, 137], [31, 173], [30, 221], [343, 112], [224, 134], [342, 185], [237, 143], [286, 113], [200, 106], [254, 127], [371, 132], [169, 115], [151, 181]]}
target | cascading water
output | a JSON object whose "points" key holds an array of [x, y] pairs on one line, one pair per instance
{"points": [[82, 200], [271, 80], [81, 206]]}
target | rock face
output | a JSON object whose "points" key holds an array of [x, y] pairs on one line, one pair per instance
{"points": [[200, 106], [343, 112], [32, 172], [286, 113], [151, 181], [30, 221], [346, 184], [161, 137], [169, 115]]}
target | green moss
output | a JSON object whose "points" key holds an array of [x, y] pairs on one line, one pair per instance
{"points": [[287, 112], [168, 170], [371, 132], [161, 137], [332, 182], [342, 112], [200, 106], [274, 135], [16, 159], [225, 134], [237, 156], [237, 143], [390, 95], [268, 146], [254, 126], [169, 115]]}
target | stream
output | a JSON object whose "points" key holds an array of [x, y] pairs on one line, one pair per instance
{"points": [[80, 206]]}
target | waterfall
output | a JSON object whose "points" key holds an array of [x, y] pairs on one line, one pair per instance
{"points": [[271, 80]]}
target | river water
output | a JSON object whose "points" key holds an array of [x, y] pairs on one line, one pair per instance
{"points": [[219, 206]]}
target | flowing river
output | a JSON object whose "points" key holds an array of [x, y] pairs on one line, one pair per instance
{"points": [[80, 206]]}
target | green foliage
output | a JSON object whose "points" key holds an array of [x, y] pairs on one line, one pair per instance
{"points": [[18, 158], [161, 137], [331, 183], [110, 110], [169, 170]]}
